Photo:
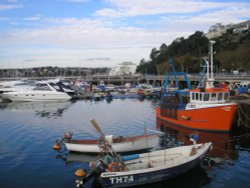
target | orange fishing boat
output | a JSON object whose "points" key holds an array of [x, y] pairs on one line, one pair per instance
{"points": [[205, 108]]}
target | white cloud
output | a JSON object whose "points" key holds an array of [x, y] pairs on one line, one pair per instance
{"points": [[203, 21], [34, 18], [145, 7], [73, 40], [86, 33], [9, 7], [109, 35]]}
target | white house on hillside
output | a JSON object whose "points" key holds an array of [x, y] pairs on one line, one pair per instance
{"points": [[218, 29], [243, 26], [124, 68]]}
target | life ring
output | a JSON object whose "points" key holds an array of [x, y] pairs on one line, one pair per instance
{"points": [[116, 167]]}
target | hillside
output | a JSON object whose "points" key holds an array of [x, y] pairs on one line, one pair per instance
{"points": [[232, 52]]}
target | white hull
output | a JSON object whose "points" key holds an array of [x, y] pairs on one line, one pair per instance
{"points": [[128, 146], [37, 96], [162, 159]]}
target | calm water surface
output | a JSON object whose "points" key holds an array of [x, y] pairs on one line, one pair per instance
{"points": [[28, 131]]}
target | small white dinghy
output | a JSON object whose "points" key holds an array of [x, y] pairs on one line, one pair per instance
{"points": [[119, 144], [105, 143]]}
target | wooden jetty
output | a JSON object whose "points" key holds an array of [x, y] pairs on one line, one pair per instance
{"points": [[243, 112]]}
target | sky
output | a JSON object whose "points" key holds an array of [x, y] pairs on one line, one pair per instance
{"points": [[103, 33]]}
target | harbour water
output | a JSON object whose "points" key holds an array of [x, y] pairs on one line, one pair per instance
{"points": [[28, 131]]}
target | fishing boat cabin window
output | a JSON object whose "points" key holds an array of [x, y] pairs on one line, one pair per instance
{"points": [[220, 96], [213, 97], [206, 96], [226, 96], [197, 97]]}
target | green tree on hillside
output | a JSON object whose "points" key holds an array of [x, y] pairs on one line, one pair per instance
{"points": [[232, 53]]}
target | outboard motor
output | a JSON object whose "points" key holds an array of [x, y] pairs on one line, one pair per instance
{"points": [[96, 170]]}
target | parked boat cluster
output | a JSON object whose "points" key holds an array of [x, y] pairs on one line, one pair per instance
{"points": [[109, 91], [59, 90]]}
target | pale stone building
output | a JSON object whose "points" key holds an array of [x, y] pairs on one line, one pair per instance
{"points": [[124, 68]]}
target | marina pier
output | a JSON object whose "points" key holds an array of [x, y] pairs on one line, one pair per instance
{"points": [[140, 78]]}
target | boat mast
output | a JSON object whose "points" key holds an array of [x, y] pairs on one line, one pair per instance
{"points": [[211, 58], [210, 75]]}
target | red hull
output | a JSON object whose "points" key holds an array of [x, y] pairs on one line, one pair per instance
{"points": [[207, 119]]}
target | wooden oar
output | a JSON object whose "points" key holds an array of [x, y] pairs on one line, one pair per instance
{"points": [[97, 127], [114, 154]]}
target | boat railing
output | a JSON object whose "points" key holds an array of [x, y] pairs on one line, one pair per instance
{"points": [[213, 97]]}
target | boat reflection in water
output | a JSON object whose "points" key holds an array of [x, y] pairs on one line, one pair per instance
{"points": [[197, 177], [71, 157], [223, 143], [42, 109]]}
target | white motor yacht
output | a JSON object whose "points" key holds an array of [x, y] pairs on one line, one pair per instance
{"points": [[16, 85], [43, 92]]}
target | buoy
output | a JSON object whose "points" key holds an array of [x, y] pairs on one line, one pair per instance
{"points": [[80, 173], [56, 147]]}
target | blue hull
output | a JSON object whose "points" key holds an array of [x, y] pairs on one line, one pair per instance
{"points": [[148, 177]]}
